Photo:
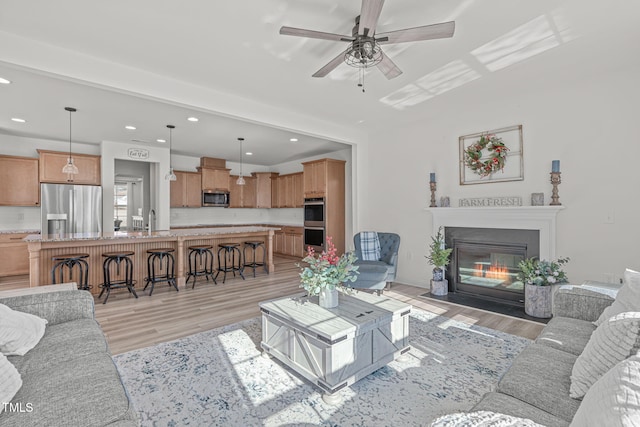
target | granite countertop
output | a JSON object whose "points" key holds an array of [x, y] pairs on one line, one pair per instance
{"points": [[126, 235], [266, 224], [27, 231]]}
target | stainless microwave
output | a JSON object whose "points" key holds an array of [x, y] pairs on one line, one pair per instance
{"points": [[215, 198]]}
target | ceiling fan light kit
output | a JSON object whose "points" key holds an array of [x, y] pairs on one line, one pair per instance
{"points": [[365, 50]]}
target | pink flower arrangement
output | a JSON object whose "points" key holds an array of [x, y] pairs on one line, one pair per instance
{"points": [[327, 270]]}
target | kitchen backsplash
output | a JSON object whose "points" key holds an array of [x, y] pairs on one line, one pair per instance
{"points": [[19, 218], [211, 216], [25, 218]]}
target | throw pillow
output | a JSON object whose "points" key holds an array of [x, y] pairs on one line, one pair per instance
{"points": [[628, 298], [613, 341], [481, 418], [9, 379], [614, 400], [19, 332]]}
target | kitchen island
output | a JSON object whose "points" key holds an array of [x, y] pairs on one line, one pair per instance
{"points": [[43, 247]]}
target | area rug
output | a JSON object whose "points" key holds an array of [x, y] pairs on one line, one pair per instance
{"points": [[219, 378]]}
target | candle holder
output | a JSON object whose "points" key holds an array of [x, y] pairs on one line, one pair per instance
{"points": [[433, 194], [555, 181]]}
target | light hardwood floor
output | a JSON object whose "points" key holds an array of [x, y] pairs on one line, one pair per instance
{"points": [[131, 323]]}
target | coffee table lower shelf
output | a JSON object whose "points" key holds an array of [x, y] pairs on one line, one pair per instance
{"points": [[334, 348]]}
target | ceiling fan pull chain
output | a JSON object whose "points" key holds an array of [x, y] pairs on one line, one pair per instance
{"points": [[361, 78]]}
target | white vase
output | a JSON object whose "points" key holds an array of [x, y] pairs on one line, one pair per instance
{"points": [[537, 301], [328, 298]]}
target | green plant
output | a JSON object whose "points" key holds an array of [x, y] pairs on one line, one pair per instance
{"points": [[439, 255], [542, 273], [327, 270]]}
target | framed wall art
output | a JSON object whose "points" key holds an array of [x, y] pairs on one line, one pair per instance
{"points": [[491, 156]]}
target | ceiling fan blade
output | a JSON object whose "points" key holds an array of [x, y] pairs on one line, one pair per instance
{"points": [[427, 32], [369, 15], [299, 32], [388, 67], [330, 66]]}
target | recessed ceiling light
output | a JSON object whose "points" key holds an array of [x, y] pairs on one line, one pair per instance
{"points": [[249, 153], [129, 127], [294, 140], [19, 120], [161, 140], [192, 119], [5, 81]]}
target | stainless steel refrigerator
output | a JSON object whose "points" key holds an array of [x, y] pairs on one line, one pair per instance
{"points": [[71, 208]]}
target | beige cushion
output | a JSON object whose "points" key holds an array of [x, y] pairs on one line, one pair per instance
{"points": [[481, 419], [627, 299], [613, 341], [19, 332], [614, 400], [10, 381]]}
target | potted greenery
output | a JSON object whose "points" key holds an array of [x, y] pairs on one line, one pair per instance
{"points": [[538, 276], [438, 258]]}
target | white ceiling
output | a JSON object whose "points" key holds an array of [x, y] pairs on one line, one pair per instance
{"points": [[51, 51]]}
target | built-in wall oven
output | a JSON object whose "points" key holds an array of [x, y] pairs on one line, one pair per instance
{"points": [[314, 223]]}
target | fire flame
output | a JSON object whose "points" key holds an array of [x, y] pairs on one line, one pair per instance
{"points": [[494, 271]]}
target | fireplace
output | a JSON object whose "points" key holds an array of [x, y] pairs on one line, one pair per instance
{"points": [[484, 261], [538, 221]]}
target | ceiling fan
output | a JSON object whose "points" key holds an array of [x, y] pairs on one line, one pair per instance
{"points": [[364, 50]]}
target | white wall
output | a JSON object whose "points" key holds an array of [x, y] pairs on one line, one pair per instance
{"points": [[589, 126]]}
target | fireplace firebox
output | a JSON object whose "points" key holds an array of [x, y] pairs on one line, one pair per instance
{"points": [[484, 261]]}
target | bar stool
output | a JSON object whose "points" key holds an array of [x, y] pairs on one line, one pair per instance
{"points": [[119, 281], [200, 255], [253, 245], [70, 261], [228, 262], [165, 263]]}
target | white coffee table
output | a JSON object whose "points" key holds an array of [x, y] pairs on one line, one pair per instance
{"points": [[334, 348]]}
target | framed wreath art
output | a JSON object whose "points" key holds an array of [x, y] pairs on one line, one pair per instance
{"points": [[491, 156]]}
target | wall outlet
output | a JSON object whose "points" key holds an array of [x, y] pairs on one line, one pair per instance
{"points": [[609, 278], [20, 217], [610, 217], [409, 256]]}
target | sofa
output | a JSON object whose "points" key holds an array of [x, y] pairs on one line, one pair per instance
{"points": [[582, 370], [68, 378]]}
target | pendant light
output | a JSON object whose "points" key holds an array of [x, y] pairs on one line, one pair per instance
{"points": [[170, 176], [70, 168], [240, 180]]}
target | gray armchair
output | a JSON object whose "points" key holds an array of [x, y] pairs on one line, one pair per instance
{"points": [[376, 274]]}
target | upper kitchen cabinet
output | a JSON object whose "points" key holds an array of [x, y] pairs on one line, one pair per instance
{"points": [[287, 191], [323, 176], [52, 162], [215, 178], [242, 196], [186, 190], [19, 178], [264, 189]]}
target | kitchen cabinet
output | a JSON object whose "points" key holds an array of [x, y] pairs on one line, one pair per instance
{"points": [[288, 192], [289, 241], [20, 184], [14, 254], [242, 196], [186, 190], [215, 178], [52, 162], [264, 184], [325, 178]]}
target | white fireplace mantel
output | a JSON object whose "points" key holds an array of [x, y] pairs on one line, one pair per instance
{"points": [[541, 218]]}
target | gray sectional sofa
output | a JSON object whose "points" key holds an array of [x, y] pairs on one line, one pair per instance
{"points": [[536, 386], [68, 378]]}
